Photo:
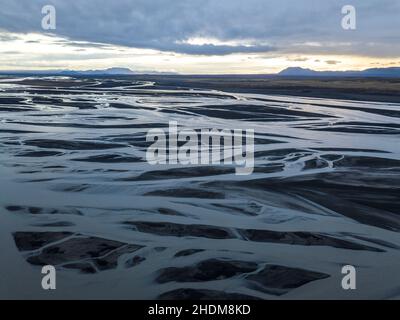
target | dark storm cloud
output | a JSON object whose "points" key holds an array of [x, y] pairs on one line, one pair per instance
{"points": [[165, 25]]}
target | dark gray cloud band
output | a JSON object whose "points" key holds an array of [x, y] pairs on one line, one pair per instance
{"points": [[282, 25]]}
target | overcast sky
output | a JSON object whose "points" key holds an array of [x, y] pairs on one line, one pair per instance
{"points": [[199, 36]]}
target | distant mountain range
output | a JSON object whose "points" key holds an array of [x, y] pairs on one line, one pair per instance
{"points": [[374, 72], [109, 71], [288, 72], [104, 72]]}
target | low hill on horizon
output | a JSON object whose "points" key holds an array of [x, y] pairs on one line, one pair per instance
{"points": [[393, 72]]}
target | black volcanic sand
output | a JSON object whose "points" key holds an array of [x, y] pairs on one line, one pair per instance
{"points": [[272, 279], [293, 238], [203, 294], [87, 254], [366, 89]]}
